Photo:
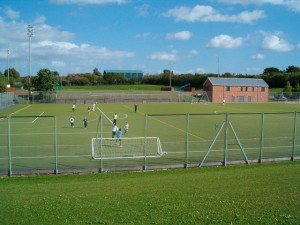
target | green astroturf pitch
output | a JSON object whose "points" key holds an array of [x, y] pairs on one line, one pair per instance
{"points": [[180, 126]]}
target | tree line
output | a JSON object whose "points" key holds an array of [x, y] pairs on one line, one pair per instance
{"points": [[47, 80]]}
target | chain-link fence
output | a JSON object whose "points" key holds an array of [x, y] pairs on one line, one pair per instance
{"points": [[35, 145], [36, 97]]}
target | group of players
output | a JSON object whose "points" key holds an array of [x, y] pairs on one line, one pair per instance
{"points": [[85, 120], [115, 130], [118, 131]]}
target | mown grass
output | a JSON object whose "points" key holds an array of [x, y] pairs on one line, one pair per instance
{"points": [[254, 194], [127, 87]]}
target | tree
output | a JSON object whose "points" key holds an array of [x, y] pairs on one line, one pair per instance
{"points": [[46, 80], [287, 89], [271, 70], [12, 73], [297, 87], [96, 72], [293, 69], [3, 82]]}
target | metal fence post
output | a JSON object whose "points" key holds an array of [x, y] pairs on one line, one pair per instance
{"points": [[145, 150], [294, 136], [101, 160], [261, 137], [9, 147], [187, 141], [226, 141], [55, 146]]}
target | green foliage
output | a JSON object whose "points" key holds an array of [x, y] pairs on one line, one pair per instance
{"points": [[114, 78], [12, 73], [287, 89], [45, 80], [3, 82], [96, 72], [293, 69], [271, 70]]}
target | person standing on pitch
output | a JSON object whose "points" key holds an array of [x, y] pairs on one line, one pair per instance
{"points": [[119, 136], [73, 108], [135, 107], [85, 122], [72, 120], [126, 128], [114, 131], [115, 118]]}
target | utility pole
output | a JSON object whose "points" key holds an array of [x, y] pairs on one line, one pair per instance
{"points": [[8, 64], [30, 34]]}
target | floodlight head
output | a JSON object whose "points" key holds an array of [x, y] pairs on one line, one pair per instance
{"points": [[30, 30]]}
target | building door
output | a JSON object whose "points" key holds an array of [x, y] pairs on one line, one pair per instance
{"points": [[241, 98], [249, 99], [232, 99]]}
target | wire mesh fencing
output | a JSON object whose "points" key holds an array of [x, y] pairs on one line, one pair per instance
{"points": [[38, 145]]}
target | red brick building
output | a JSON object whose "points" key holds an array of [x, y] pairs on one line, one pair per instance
{"points": [[236, 89]]}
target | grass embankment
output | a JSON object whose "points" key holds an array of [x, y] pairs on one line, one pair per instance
{"points": [[254, 194]]}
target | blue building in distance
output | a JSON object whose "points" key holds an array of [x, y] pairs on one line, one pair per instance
{"points": [[126, 73]]}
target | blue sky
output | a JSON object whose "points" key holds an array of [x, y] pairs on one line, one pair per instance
{"points": [[192, 36]]}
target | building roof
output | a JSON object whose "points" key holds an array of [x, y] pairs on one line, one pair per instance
{"points": [[123, 71], [216, 81]]}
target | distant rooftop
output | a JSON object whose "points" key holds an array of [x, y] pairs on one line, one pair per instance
{"points": [[216, 81]]}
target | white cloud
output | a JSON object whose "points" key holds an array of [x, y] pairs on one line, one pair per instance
{"points": [[193, 52], [51, 46], [258, 56], [163, 56], [182, 35], [12, 14], [143, 35], [202, 13], [58, 64], [88, 2], [275, 43], [142, 10], [293, 5], [225, 41]]}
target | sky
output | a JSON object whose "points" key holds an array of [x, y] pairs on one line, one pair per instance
{"points": [[191, 36]]}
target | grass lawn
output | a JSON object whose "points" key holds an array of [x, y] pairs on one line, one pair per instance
{"points": [[254, 194]]}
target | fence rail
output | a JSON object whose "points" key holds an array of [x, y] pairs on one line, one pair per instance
{"points": [[25, 97]]}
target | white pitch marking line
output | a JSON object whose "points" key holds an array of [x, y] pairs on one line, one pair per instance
{"points": [[37, 117], [16, 112], [104, 115]]}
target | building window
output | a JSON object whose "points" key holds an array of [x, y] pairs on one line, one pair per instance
{"points": [[227, 88], [252, 89], [263, 89], [242, 88]]}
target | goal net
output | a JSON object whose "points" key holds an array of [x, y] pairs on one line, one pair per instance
{"points": [[136, 147]]}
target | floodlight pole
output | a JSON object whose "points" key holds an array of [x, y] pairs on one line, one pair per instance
{"points": [[8, 64], [30, 34], [218, 65], [171, 78]]}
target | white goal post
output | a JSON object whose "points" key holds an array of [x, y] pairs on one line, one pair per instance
{"points": [[135, 147]]}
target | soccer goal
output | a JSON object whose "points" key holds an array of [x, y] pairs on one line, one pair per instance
{"points": [[135, 147]]}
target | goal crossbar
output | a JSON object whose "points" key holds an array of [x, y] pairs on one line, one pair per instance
{"points": [[134, 147]]}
